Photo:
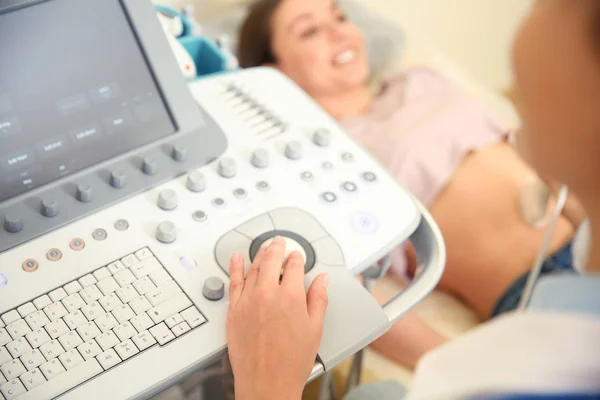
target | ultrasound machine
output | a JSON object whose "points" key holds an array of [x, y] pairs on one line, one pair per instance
{"points": [[124, 191]]}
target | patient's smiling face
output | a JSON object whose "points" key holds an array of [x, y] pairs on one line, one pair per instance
{"points": [[317, 47]]}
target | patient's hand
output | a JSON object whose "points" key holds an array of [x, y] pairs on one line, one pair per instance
{"points": [[273, 329]]}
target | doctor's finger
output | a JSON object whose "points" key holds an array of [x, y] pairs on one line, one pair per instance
{"points": [[272, 262], [293, 273], [236, 279], [253, 272]]}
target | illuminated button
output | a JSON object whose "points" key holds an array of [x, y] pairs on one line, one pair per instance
{"points": [[121, 225], [13, 223], [369, 177], [84, 193], [30, 265], [307, 176], [240, 193], [3, 280], [329, 197], [347, 157], [263, 186], [99, 234], [117, 179], [188, 263], [199, 216], [349, 187], [364, 222], [218, 202], [54, 255], [77, 244], [50, 208]]}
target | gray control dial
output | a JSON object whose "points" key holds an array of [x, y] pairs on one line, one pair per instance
{"points": [[196, 181], [50, 208], [117, 179], [166, 232], [214, 288], [260, 158], [180, 153], [227, 168], [149, 166], [84, 193], [294, 150], [13, 223], [167, 200], [322, 138]]}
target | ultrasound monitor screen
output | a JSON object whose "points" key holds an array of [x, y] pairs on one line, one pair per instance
{"points": [[75, 90]]}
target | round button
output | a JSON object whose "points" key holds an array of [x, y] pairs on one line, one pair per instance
{"points": [[199, 216], [347, 157], [349, 187], [294, 150], [260, 158], [227, 168], [294, 242], [307, 176], [149, 166], [263, 186], [327, 165], [30, 265], [166, 232], [240, 193], [369, 177], [364, 222], [77, 244], [214, 289], [99, 234], [322, 138], [121, 225], [218, 202], [84, 193], [196, 182], [167, 200], [179, 153], [329, 197], [54, 255], [117, 179], [50, 208], [13, 223]]}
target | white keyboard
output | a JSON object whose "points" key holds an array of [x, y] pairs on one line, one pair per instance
{"points": [[76, 332]]}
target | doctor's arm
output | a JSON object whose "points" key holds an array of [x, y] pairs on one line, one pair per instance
{"points": [[273, 329]]}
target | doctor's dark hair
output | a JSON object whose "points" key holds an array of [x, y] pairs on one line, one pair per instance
{"points": [[254, 44]]}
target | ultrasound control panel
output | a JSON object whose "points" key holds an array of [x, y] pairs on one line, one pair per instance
{"points": [[119, 263]]}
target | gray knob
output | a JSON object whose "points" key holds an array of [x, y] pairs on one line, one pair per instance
{"points": [[84, 193], [50, 208], [196, 182], [214, 288], [179, 153], [149, 166], [260, 158], [167, 200], [294, 150], [117, 179], [322, 138], [227, 168], [166, 232], [13, 223]]}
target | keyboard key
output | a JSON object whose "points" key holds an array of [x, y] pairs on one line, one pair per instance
{"points": [[2, 381], [127, 293], [92, 311], [89, 349], [75, 319], [140, 304], [33, 359], [163, 293], [73, 287], [73, 302], [11, 317], [52, 349], [123, 313], [71, 359], [124, 278], [13, 369], [129, 260], [181, 329], [4, 356], [145, 267], [12, 389], [106, 322], [70, 340], [143, 254], [91, 294], [160, 276], [107, 340], [26, 309], [42, 302], [33, 378], [144, 340], [37, 320], [87, 280], [102, 274], [55, 311], [174, 320], [110, 302], [4, 337], [38, 337], [88, 331], [124, 331], [193, 317], [18, 329], [116, 267], [172, 306], [144, 285], [18, 347], [126, 349], [57, 295], [52, 369], [108, 359], [108, 285], [57, 328], [162, 334], [142, 322]]}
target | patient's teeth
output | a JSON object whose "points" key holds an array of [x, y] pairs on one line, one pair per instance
{"points": [[345, 57]]}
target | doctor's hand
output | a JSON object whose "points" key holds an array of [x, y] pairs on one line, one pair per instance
{"points": [[273, 329]]}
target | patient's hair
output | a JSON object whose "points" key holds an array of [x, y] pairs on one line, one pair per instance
{"points": [[255, 35]]}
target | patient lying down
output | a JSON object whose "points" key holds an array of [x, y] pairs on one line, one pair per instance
{"points": [[440, 144]]}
